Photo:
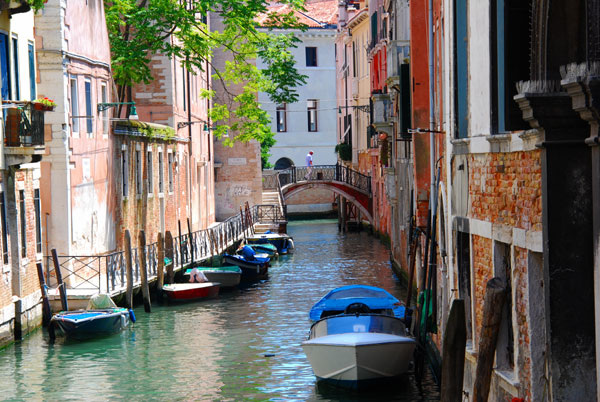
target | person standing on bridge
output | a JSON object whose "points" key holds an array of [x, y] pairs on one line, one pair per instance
{"points": [[309, 165]]}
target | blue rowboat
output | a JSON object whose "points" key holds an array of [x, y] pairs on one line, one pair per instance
{"points": [[92, 323], [375, 299], [253, 268]]}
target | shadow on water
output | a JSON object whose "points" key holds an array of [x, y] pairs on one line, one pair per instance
{"points": [[243, 345]]}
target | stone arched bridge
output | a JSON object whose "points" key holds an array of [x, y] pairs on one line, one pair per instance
{"points": [[355, 187]]}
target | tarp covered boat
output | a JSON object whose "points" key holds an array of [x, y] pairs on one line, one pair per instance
{"points": [[228, 275]]}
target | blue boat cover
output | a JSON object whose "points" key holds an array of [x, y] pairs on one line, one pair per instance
{"points": [[248, 253], [338, 299]]}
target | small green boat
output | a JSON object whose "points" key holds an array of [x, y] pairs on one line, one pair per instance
{"points": [[228, 276], [265, 248]]}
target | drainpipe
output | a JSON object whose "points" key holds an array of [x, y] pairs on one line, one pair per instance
{"points": [[431, 106]]}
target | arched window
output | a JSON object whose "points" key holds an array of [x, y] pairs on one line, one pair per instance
{"points": [[283, 163]]}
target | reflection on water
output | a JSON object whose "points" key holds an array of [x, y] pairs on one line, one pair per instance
{"points": [[244, 345]]}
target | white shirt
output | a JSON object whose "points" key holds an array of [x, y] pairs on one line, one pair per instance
{"points": [[308, 160]]}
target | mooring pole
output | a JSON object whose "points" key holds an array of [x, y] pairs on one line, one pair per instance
{"points": [[129, 270], [144, 272], [61, 285]]}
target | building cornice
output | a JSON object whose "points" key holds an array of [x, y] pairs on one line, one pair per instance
{"points": [[358, 18]]}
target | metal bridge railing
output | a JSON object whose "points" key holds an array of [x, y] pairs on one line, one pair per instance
{"points": [[336, 172]]}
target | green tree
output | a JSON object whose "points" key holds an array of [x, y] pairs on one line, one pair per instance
{"points": [[140, 29]]}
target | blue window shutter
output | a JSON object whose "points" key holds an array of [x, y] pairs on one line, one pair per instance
{"points": [[462, 69], [17, 84], [501, 65], [88, 105], [4, 66], [31, 52]]}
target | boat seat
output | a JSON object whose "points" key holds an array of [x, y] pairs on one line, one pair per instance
{"points": [[357, 308]]}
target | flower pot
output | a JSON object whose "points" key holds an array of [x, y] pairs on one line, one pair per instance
{"points": [[383, 137], [48, 108], [38, 106]]}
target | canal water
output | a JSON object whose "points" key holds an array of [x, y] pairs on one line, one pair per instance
{"points": [[244, 345]]}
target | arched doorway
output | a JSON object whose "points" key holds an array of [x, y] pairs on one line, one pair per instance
{"points": [[283, 163]]}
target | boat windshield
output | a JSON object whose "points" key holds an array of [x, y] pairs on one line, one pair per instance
{"points": [[344, 324], [358, 293]]}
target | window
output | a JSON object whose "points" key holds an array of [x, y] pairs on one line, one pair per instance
{"points": [[505, 349], [31, 54], [23, 223], [170, 168], [104, 99], [354, 56], [38, 220], [124, 173], [461, 67], [161, 186], [311, 56], [15, 57], [5, 66], [74, 105], [138, 172], [463, 259], [510, 55], [4, 228], [88, 107], [312, 114], [184, 92], [149, 173], [281, 118]]}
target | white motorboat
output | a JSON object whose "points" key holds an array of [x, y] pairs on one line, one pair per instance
{"points": [[356, 350]]}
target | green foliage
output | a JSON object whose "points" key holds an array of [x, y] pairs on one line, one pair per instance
{"points": [[151, 130], [140, 29], [36, 4], [344, 150]]}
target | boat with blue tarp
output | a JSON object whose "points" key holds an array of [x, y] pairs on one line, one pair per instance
{"points": [[283, 241], [253, 267], [376, 299]]}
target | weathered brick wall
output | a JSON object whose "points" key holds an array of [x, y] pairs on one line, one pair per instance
{"points": [[368, 164], [312, 196], [238, 177], [506, 188], [142, 212]]}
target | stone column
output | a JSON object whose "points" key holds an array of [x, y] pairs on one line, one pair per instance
{"points": [[585, 94], [567, 233]]}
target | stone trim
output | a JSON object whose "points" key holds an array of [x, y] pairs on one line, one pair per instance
{"points": [[525, 239], [520, 141]]}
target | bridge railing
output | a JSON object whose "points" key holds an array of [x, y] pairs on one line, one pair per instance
{"points": [[336, 172]]}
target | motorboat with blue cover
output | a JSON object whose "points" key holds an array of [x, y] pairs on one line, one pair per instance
{"points": [[283, 242], [364, 344], [264, 248], [102, 317], [253, 267], [377, 300]]}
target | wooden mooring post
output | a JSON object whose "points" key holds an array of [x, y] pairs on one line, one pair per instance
{"points": [[46, 309], [144, 272], [493, 302], [62, 289], [169, 255], [160, 269], [453, 359], [129, 270], [190, 245]]}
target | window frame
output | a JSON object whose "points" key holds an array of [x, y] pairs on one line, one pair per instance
{"points": [[104, 113], [37, 205], [161, 172], [74, 98], [89, 119], [170, 163], [23, 223], [124, 172], [307, 50], [312, 110], [31, 60], [138, 172], [15, 60], [281, 114], [149, 171]]}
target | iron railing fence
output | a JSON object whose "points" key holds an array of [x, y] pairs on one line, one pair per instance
{"points": [[336, 172], [88, 272]]}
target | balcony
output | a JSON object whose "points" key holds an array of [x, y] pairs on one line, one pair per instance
{"points": [[23, 132], [381, 113], [14, 6], [397, 55]]}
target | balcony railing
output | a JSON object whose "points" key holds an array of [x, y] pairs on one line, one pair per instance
{"points": [[23, 125]]}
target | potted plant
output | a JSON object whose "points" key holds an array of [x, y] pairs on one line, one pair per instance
{"points": [[344, 150], [44, 104]]}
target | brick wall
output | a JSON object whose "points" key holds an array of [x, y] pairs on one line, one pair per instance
{"points": [[506, 188], [521, 301], [483, 271], [312, 196]]}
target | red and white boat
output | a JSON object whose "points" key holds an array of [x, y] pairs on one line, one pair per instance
{"points": [[191, 291]]}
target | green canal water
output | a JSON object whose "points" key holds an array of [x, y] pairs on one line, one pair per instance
{"points": [[243, 345]]}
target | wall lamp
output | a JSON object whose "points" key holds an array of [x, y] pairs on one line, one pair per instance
{"points": [[107, 105], [206, 127]]}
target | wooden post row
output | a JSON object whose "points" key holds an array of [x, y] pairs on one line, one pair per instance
{"points": [[453, 360], [129, 270], [493, 302], [61, 285], [169, 255], [144, 272], [160, 270]]}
